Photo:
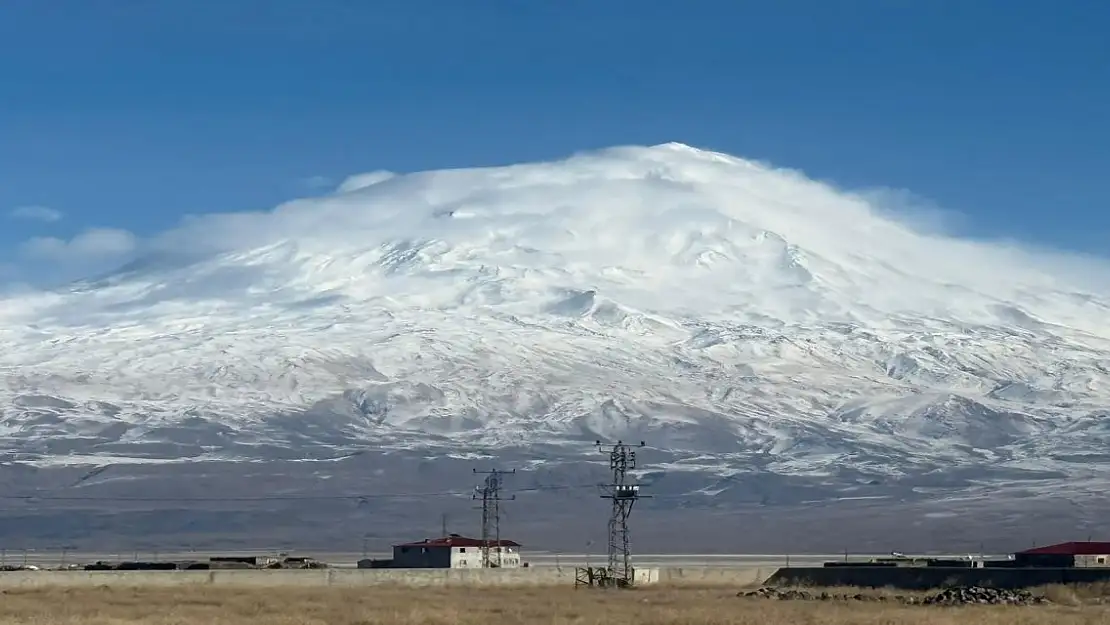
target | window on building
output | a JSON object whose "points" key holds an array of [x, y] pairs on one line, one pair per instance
{"points": [[462, 549], [1101, 560]]}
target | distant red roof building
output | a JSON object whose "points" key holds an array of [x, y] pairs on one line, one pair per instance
{"points": [[455, 540], [1070, 549]]}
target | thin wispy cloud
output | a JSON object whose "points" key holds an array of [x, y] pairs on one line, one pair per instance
{"points": [[36, 213], [317, 182], [91, 245]]}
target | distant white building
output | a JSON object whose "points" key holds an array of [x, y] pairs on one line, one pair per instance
{"points": [[455, 552]]}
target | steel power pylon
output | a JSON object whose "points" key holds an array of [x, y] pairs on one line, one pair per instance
{"points": [[490, 494], [622, 458]]}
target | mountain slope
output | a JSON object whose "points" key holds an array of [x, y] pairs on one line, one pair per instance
{"points": [[737, 316]]}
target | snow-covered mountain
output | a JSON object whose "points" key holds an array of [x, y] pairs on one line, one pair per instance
{"points": [[736, 316]]}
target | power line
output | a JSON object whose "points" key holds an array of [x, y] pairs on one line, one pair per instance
{"points": [[346, 497], [340, 497], [229, 499]]}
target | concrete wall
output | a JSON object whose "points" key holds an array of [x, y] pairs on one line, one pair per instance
{"points": [[301, 578], [714, 576], [924, 578], [1092, 561], [531, 576]]}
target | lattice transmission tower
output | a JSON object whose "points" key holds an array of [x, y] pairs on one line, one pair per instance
{"points": [[490, 494], [624, 495]]}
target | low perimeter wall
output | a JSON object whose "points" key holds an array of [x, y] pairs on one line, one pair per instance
{"points": [[714, 576], [537, 576], [925, 578]]}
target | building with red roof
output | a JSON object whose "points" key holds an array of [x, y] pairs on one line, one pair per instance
{"points": [[455, 552], [1069, 554]]}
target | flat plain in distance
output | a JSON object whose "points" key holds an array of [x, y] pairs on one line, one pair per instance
{"points": [[57, 558]]}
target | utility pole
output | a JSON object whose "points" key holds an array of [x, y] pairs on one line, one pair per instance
{"points": [[490, 494], [622, 458]]}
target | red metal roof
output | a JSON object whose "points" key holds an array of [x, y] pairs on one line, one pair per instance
{"points": [[455, 540], [1070, 549]]}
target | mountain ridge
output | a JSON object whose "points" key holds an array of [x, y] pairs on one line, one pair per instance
{"points": [[741, 317]]}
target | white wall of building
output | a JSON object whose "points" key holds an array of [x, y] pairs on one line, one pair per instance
{"points": [[471, 557], [1092, 561]]}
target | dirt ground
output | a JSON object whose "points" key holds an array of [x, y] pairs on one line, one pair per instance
{"points": [[497, 606]]}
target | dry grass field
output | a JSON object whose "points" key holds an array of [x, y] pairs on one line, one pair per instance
{"points": [[461, 606]]}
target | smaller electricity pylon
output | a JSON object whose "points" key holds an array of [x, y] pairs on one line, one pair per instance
{"points": [[623, 495], [490, 494]]}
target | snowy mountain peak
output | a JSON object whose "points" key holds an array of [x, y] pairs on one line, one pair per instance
{"points": [[669, 228], [725, 309]]}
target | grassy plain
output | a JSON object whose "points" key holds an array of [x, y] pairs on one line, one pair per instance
{"points": [[496, 606]]}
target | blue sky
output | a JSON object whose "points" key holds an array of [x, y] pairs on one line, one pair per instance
{"points": [[121, 116]]}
